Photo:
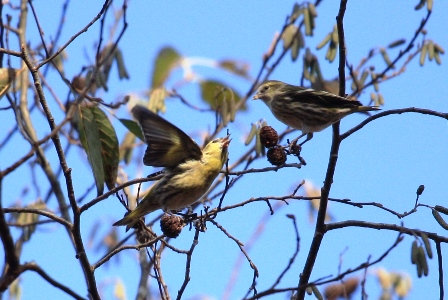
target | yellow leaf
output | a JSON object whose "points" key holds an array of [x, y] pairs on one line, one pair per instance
{"points": [[404, 286], [120, 290], [384, 278]]}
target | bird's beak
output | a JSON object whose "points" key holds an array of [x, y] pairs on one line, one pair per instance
{"points": [[255, 97], [226, 141]]}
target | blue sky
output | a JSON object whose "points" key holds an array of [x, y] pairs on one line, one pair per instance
{"points": [[385, 162]]}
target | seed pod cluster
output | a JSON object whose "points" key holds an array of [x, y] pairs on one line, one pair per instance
{"points": [[269, 139], [171, 225], [268, 136], [276, 155]]}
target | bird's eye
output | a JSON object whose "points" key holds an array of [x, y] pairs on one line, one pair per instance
{"points": [[265, 88]]}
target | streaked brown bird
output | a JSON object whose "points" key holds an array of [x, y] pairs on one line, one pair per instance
{"points": [[306, 109]]}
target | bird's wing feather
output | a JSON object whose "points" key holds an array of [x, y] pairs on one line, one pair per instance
{"points": [[319, 98], [168, 146]]}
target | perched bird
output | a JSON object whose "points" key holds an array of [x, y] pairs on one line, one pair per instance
{"points": [[189, 171], [306, 109]]}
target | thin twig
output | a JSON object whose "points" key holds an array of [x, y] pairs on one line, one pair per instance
{"points": [[188, 264], [325, 191], [394, 112]]}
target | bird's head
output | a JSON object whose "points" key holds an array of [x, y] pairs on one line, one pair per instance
{"points": [[267, 90], [217, 149]]}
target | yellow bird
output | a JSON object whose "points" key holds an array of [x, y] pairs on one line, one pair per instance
{"points": [[189, 171]]}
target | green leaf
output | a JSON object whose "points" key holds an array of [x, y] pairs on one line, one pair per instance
{"points": [[214, 93], [109, 146], [122, 72], [166, 61], [90, 137], [133, 127]]}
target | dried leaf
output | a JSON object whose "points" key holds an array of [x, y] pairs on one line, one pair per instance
{"points": [[420, 5], [295, 48], [317, 293], [156, 101], [308, 22], [431, 51], [396, 43], [7, 77], [251, 134], [437, 58], [28, 219], [386, 58], [439, 49], [441, 209], [326, 39], [414, 250], [439, 219], [403, 286], [127, 147], [235, 67], [289, 35], [427, 244], [296, 12], [423, 54]]}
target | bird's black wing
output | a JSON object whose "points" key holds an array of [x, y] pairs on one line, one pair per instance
{"points": [[319, 98], [168, 146]]}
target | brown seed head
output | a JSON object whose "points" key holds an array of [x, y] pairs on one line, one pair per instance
{"points": [[171, 225], [276, 156], [268, 136]]}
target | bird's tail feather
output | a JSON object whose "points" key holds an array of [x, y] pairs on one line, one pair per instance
{"points": [[134, 216]]}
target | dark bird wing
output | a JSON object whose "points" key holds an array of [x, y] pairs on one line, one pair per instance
{"points": [[320, 98], [168, 146]]}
